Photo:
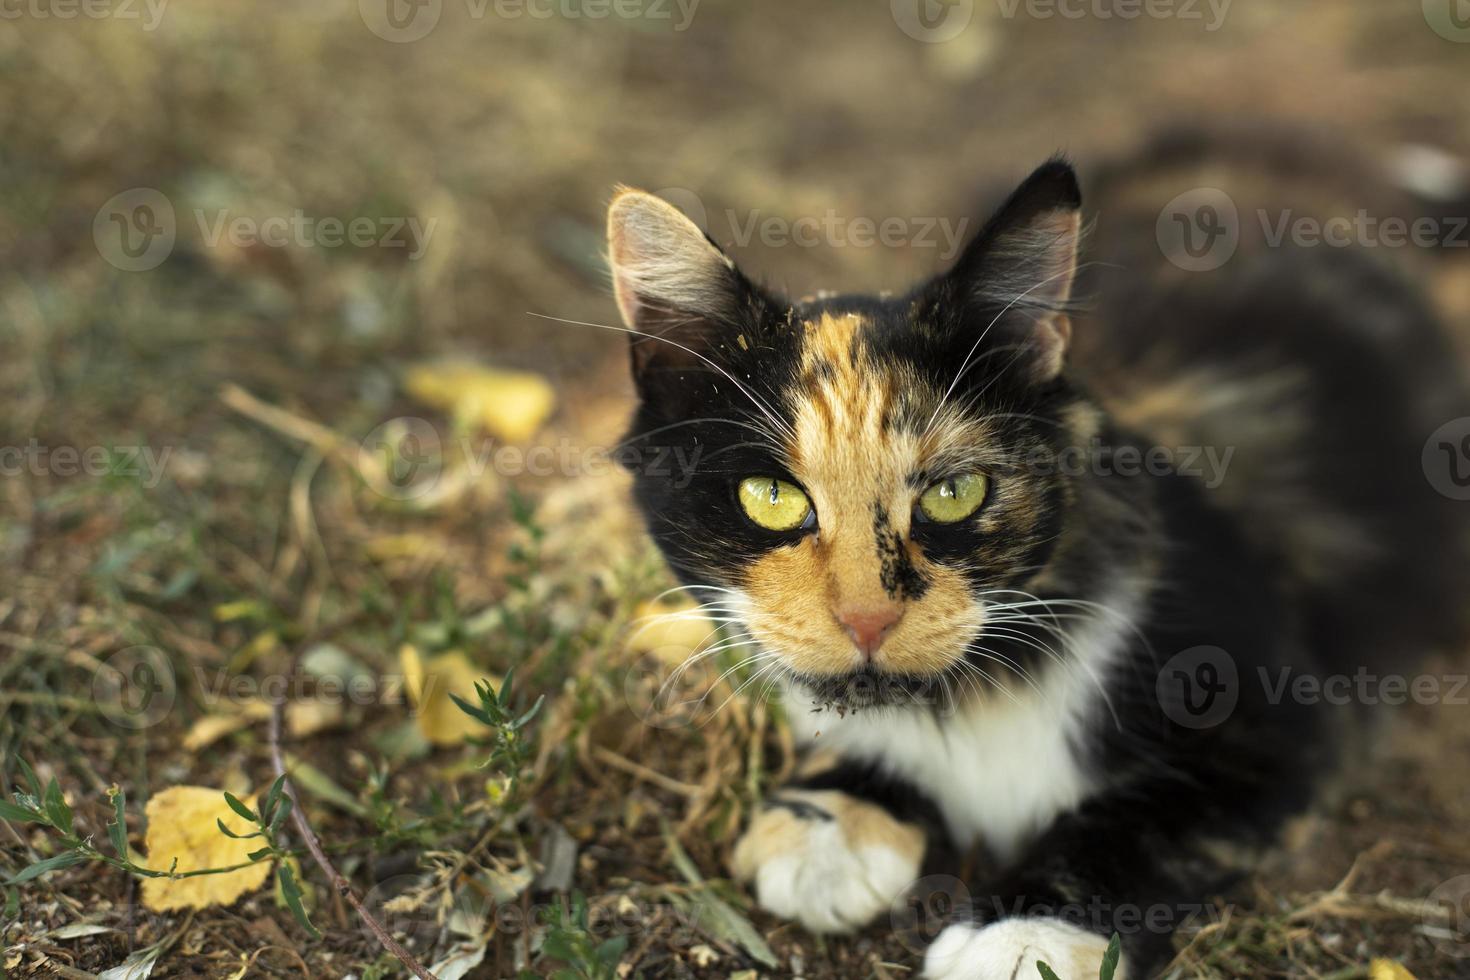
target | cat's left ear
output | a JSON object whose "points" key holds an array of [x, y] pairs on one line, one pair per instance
{"points": [[674, 287], [1015, 279]]}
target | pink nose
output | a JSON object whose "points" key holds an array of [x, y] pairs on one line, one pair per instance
{"points": [[869, 626]]}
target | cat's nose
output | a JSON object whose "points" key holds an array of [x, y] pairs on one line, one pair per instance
{"points": [[869, 626]]}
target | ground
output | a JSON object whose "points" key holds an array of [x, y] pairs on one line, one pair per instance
{"points": [[184, 488]]}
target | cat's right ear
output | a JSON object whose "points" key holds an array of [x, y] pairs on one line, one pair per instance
{"points": [[673, 286]]}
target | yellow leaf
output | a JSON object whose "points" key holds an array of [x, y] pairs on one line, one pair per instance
{"points": [[313, 715], [1382, 969], [508, 404], [412, 666], [211, 728], [670, 633], [429, 685], [181, 825]]}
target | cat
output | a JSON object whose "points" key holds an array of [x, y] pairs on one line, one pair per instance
{"points": [[972, 530]]}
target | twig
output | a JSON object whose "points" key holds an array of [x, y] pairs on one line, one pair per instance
{"points": [[644, 773], [313, 844]]}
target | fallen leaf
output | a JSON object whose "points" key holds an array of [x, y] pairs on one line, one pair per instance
{"points": [[1382, 969], [310, 716], [211, 728], [182, 827], [509, 404], [670, 633], [461, 960], [78, 930], [429, 684], [308, 777]]}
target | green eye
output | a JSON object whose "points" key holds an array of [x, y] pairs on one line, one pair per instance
{"points": [[954, 499], [774, 504]]}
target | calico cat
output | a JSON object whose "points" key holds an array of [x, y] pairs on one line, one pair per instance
{"points": [[1008, 610]]}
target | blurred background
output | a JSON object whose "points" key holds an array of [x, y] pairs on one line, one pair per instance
{"points": [[290, 292]]}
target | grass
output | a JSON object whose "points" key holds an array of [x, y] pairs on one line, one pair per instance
{"points": [[220, 539]]}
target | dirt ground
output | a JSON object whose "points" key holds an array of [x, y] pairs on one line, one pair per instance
{"points": [[218, 520]]}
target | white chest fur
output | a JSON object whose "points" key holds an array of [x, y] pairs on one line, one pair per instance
{"points": [[1000, 769]]}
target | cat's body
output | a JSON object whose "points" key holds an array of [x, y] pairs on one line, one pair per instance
{"points": [[1218, 481]]}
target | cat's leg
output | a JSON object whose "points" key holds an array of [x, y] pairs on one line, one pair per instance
{"points": [[834, 848], [1137, 863]]}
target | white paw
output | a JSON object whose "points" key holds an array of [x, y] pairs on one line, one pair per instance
{"points": [[832, 864], [1009, 949]]}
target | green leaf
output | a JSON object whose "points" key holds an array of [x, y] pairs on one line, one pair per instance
{"points": [[261, 854], [30, 775], [272, 798], [64, 860], [611, 951], [117, 829], [558, 945], [1047, 973], [1110, 958], [474, 711], [240, 808], [291, 892], [230, 833], [713, 913], [56, 809], [19, 814], [280, 817], [525, 719]]}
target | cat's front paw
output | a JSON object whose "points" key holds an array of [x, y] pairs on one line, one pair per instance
{"points": [[1010, 948], [827, 860]]}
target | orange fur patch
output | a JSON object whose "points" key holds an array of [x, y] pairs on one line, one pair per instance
{"points": [[854, 465]]}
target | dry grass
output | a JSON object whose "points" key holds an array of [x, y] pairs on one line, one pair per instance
{"points": [[258, 370]]}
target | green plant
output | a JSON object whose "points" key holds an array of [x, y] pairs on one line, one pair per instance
{"points": [[1109, 962], [569, 939], [510, 750], [45, 805]]}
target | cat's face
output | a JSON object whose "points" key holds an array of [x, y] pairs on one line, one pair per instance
{"points": [[864, 483]]}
